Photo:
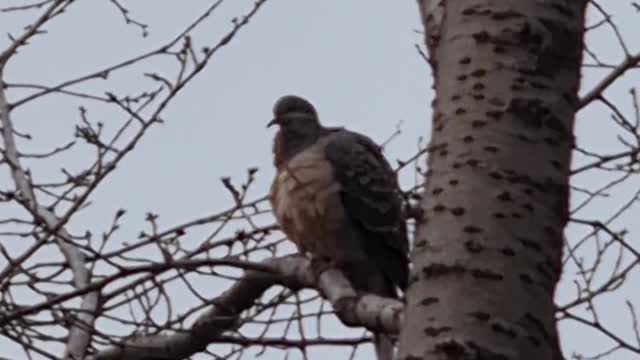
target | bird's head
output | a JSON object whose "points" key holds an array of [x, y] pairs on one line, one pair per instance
{"points": [[295, 116], [299, 127]]}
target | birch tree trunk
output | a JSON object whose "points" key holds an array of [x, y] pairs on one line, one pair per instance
{"points": [[488, 250]]}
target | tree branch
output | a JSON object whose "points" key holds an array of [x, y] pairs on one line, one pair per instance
{"points": [[30, 32], [79, 337], [596, 93], [294, 272]]}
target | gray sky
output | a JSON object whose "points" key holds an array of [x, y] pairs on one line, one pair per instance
{"points": [[355, 60]]}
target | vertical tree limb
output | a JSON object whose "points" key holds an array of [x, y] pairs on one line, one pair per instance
{"points": [[488, 251]]}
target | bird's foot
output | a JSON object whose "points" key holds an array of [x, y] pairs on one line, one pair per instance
{"points": [[320, 265]]}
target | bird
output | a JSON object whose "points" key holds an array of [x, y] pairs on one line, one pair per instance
{"points": [[337, 198]]}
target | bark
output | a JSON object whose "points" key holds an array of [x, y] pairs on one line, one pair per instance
{"points": [[487, 253]]}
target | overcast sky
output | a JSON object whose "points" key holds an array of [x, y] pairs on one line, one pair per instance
{"points": [[355, 60]]}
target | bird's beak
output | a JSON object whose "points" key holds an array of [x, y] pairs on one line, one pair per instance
{"points": [[273, 121]]}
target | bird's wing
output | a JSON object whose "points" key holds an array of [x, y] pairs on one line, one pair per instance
{"points": [[371, 198]]}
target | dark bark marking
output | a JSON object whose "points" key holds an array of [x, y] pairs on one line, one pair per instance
{"points": [[497, 101], [539, 85], [528, 206], [435, 331], [470, 229], [435, 270], [508, 251], [452, 349], [504, 329], [495, 114], [480, 315], [481, 37], [486, 274], [473, 162], [526, 279], [528, 191], [421, 242], [530, 111], [526, 139], [478, 123], [413, 357], [563, 10], [538, 325], [429, 301], [534, 340], [483, 353], [530, 244], [507, 14], [479, 73], [473, 246]]}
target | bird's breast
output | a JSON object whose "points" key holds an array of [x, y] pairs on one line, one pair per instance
{"points": [[306, 202]]}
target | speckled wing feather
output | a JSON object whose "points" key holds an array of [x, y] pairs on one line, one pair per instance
{"points": [[371, 198]]}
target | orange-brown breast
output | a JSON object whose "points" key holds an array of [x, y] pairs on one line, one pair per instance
{"points": [[306, 202]]}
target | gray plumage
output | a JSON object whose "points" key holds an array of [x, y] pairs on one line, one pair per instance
{"points": [[337, 198]]}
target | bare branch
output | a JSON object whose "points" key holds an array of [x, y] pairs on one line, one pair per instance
{"points": [[370, 311]]}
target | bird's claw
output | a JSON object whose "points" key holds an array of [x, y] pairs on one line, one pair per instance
{"points": [[319, 265]]}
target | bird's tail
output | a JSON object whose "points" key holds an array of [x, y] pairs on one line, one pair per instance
{"points": [[383, 346]]}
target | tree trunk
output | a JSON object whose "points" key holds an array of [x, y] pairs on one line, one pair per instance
{"points": [[488, 251]]}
